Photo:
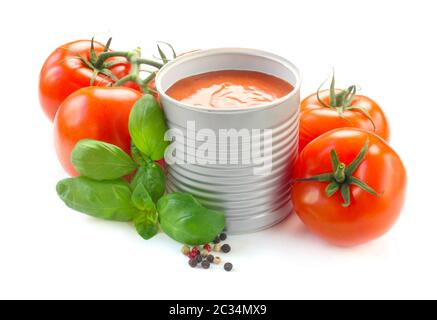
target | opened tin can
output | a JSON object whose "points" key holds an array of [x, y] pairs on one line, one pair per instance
{"points": [[246, 171]]}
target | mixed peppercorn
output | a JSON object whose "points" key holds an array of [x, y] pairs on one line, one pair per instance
{"points": [[205, 257]]}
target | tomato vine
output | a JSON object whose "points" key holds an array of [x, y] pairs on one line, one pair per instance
{"points": [[100, 65]]}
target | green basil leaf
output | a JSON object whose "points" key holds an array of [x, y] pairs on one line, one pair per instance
{"points": [[147, 127], [185, 220], [153, 179], [142, 200], [101, 161], [146, 222], [110, 200]]}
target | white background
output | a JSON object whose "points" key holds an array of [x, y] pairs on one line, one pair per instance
{"points": [[49, 251]]}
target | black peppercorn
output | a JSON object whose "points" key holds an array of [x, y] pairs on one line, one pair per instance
{"points": [[193, 263], [226, 248], [210, 258], [199, 258], [228, 266], [205, 264], [223, 236], [216, 240]]}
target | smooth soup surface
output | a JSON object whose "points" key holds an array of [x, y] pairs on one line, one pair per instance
{"points": [[229, 89]]}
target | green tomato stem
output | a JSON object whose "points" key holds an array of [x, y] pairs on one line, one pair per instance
{"points": [[123, 80], [134, 57], [339, 174], [99, 65], [150, 63], [110, 54]]}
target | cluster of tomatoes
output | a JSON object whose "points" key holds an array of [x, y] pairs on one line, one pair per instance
{"points": [[349, 184], [80, 93]]}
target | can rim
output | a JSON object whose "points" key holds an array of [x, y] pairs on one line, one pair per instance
{"points": [[253, 52]]}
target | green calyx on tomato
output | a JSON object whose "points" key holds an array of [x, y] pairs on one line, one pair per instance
{"points": [[341, 100], [342, 177], [100, 64], [102, 68]]}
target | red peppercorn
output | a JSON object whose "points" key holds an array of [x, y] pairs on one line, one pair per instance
{"points": [[207, 247], [192, 254], [195, 250]]}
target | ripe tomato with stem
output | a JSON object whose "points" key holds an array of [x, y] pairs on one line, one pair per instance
{"points": [[101, 113], [349, 186], [334, 108], [75, 65]]}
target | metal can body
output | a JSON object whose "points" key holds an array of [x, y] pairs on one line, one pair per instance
{"points": [[251, 200]]}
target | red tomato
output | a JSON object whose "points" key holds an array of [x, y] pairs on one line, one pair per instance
{"points": [[322, 202], [96, 113], [316, 118], [63, 73]]}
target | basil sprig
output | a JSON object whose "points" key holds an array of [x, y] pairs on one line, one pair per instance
{"points": [[101, 192]]}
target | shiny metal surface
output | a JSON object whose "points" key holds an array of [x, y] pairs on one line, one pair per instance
{"points": [[251, 202]]}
